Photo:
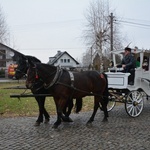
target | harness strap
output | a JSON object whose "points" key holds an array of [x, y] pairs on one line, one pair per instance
{"points": [[71, 78], [55, 78]]}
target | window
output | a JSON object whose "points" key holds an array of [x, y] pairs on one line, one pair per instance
{"points": [[61, 60], [64, 60], [68, 60]]}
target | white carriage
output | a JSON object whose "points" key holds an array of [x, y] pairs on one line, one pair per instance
{"points": [[131, 95]]}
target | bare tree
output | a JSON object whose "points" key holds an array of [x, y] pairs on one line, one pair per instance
{"points": [[4, 33], [86, 59], [97, 33]]}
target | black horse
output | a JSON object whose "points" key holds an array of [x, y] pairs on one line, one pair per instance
{"points": [[38, 88], [64, 85]]}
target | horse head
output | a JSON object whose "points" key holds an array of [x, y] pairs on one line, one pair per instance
{"points": [[31, 75], [46, 74], [23, 65]]}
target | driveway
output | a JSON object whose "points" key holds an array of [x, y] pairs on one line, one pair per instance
{"points": [[120, 133]]}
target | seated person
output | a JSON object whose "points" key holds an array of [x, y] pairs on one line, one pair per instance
{"points": [[128, 64], [145, 64], [111, 64], [138, 62]]}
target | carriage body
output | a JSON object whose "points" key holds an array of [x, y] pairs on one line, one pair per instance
{"points": [[121, 91]]}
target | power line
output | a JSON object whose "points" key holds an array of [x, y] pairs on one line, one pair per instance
{"points": [[137, 19], [48, 23], [48, 49], [134, 23], [131, 25]]}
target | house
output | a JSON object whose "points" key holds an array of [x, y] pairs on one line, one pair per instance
{"points": [[64, 60], [7, 57]]}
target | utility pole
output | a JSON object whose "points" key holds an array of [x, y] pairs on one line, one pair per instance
{"points": [[111, 31]]}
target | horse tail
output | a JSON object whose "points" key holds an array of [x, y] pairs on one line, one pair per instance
{"points": [[106, 91], [78, 105]]}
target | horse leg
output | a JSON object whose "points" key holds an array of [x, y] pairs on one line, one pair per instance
{"points": [[78, 105], [46, 115], [104, 107], [40, 117], [59, 114], [42, 110], [67, 111], [96, 105]]}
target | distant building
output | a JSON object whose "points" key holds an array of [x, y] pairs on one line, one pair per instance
{"points": [[64, 60], [6, 59]]}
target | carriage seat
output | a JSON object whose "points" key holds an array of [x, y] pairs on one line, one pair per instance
{"points": [[145, 79], [114, 69]]}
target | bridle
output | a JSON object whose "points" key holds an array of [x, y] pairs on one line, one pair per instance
{"points": [[24, 70]]}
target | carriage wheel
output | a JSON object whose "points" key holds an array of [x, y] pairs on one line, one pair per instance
{"points": [[134, 103], [111, 104]]}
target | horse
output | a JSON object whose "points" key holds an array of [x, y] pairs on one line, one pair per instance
{"points": [[39, 89], [65, 85], [21, 71]]}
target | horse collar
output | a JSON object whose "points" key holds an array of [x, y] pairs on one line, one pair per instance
{"points": [[71, 78], [58, 71]]}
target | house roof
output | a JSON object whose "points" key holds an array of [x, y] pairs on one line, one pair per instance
{"points": [[16, 53], [58, 55]]}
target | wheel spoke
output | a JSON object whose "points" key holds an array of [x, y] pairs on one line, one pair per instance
{"points": [[136, 111], [130, 108], [138, 107]]}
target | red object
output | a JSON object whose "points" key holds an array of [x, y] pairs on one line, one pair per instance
{"points": [[101, 75], [11, 70], [36, 76]]}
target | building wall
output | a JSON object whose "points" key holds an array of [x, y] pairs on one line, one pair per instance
{"points": [[65, 61], [5, 59]]}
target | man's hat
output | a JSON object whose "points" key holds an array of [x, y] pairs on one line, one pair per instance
{"points": [[127, 49]]}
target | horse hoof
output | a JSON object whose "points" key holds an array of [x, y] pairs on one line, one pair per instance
{"points": [[55, 126], [46, 121], [105, 120], [69, 119], [66, 119], [37, 124], [89, 122]]}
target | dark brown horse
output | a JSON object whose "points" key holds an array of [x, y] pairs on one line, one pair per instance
{"points": [[64, 85], [38, 88]]}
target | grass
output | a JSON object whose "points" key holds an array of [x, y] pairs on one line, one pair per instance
{"points": [[10, 107]]}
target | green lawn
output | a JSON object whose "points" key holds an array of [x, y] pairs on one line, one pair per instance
{"points": [[28, 106]]}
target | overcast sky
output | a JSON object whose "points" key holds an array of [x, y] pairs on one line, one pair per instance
{"points": [[42, 27]]}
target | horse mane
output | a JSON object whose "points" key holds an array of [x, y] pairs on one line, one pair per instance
{"points": [[45, 66], [32, 58]]}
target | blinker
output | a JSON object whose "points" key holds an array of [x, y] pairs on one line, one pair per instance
{"points": [[102, 76], [36, 76]]}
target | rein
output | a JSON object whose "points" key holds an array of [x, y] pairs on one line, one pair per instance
{"points": [[79, 90], [56, 81]]}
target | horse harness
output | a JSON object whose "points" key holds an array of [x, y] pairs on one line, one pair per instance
{"points": [[56, 81]]}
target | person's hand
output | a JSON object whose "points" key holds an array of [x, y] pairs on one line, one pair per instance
{"points": [[123, 66]]}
